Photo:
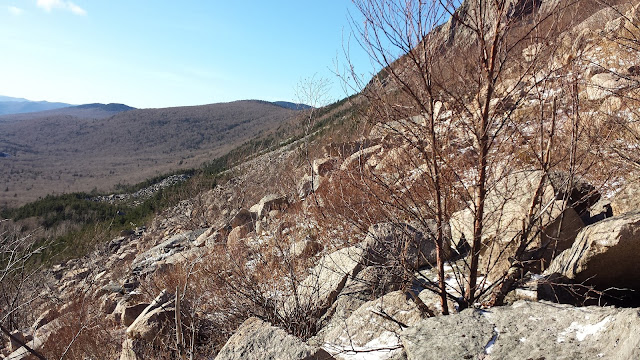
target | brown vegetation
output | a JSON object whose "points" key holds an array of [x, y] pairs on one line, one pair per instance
{"points": [[59, 154]]}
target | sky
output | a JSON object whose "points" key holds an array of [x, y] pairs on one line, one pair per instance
{"points": [[159, 53]]}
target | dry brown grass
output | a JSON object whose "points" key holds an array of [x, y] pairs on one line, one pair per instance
{"points": [[83, 333]]}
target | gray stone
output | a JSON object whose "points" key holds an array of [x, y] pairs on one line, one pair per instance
{"points": [[359, 158], [77, 274], [527, 330], [40, 339], [308, 185], [108, 304], [374, 328], [148, 261], [606, 84], [15, 344], [45, 318], [604, 254], [268, 203], [347, 148], [127, 352], [210, 237], [150, 321], [627, 198], [305, 248], [259, 340], [238, 233], [345, 304], [368, 284], [319, 289]]}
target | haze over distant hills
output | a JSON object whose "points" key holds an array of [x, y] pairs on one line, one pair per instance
{"points": [[89, 111], [97, 146], [11, 105]]}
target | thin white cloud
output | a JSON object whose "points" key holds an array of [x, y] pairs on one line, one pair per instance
{"points": [[16, 11], [49, 5], [76, 9]]}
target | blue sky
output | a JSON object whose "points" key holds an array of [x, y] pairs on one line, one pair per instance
{"points": [[169, 53]]}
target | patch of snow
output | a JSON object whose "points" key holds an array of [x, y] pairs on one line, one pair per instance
{"points": [[489, 347], [537, 276], [447, 268], [583, 330], [591, 329]]}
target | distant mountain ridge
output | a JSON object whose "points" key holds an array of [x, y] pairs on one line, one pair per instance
{"points": [[290, 105], [9, 98], [86, 111], [11, 105], [106, 107]]}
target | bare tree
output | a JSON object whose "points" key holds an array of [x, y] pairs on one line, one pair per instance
{"points": [[457, 101], [18, 272]]}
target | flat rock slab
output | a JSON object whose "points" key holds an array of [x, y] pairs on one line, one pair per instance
{"points": [[256, 339], [527, 330], [604, 254], [325, 281], [373, 329]]}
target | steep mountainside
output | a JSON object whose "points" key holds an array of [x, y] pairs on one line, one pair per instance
{"points": [[62, 152]]}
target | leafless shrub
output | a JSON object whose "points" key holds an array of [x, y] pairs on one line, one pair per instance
{"points": [[468, 104]]}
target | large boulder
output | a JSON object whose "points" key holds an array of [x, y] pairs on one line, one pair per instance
{"points": [[16, 340], [527, 330], [308, 184], [165, 252], [268, 203], [147, 325], [627, 198], [131, 312], [374, 328], [507, 205], [45, 318], [606, 84], [128, 352], [76, 274], [368, 284], [604, 254], [359, 158], [346, 149], [259, 340], [319, 289], [41, 338], [306, 247], [238, 233]]}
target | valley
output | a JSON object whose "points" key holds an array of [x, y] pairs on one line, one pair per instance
{"points": [[86, 149]]}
